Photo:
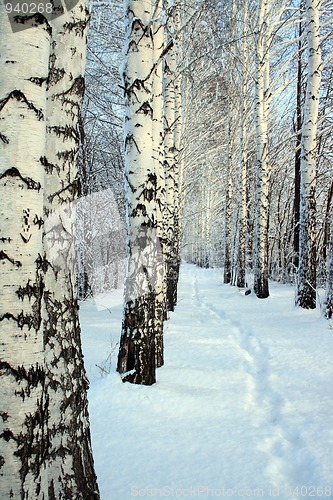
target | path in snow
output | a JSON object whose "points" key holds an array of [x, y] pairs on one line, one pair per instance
{"points": [[288, 458], [242, 406]]}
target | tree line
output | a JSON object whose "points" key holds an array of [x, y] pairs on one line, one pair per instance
{"points": [[212, 144]]}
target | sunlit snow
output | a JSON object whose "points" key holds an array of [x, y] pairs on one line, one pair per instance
{"points": [[242, 407]]}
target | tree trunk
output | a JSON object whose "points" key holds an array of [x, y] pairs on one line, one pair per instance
{"points": [[158, 158], [262, 171], [136, 360], [69, 466], [45, 438], [306, 293], [22, 142], [227, 273], [298, 127], [328, 301], [241, 273], [171, 138]]}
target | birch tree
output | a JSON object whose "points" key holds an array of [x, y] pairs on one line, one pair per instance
{"points": [[45, 440], [172, 125], [68, 415], [158, 33], [262, 172], [136, 359], [23, 115], [306, 292], [328, 301], [245, 72]]}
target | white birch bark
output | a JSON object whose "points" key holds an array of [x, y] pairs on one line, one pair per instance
{"points": [[306, 292], [262, 168], [68, 466], [158, 158], [23, 74], [171, 161], [45, 431], [227, 274], [241, 264], [328, 301], [178, 128], [136, 360]]}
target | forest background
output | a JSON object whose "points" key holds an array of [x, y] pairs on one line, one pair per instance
{"points": [[228, 199]]}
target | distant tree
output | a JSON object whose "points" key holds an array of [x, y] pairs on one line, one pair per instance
{"points": [[172, 127], [306, 292], [262, 171], [328, 302], [244, 139], [298, 130]]}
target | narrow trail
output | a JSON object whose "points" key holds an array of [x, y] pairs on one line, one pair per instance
{"points": [[287, 457], [241, 408]]}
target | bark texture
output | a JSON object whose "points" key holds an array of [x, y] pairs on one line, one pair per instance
{"points": [[262, 170], [24, 62], [328, 302], [172, 130], [137, 353], [44, 428], [306, 293]]}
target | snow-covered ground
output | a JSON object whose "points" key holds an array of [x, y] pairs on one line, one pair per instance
{"points": [[242, 407]]}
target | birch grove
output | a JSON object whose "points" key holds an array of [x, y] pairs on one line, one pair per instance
{"points": [[225, 162]]}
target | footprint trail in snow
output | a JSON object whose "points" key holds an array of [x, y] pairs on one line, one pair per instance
{"points": [[242, 406], [288, 461]]}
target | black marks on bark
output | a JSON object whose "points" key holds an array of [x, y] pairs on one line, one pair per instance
{"points": [[55, 74], [26, 216], [34, 443], [51, 490], [49, 167], [132, 47], [149, 193], [29, 320], [79, 27], [4, 415], [76, 89], [34, 376], [137, 84], [19, 96], [137, 25], [71, 190], [7, 435], [145, 109], [130, 141], [37, 81], [69, 155], [4, 138], [26, 225], [4, 256], [43, 264], [29, 183], [33, 21], [32, 290], [136, 360], [66, 132], [140, 209], [38, 221]]}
